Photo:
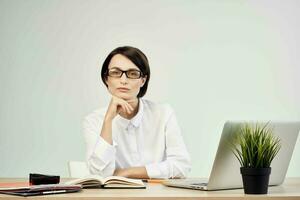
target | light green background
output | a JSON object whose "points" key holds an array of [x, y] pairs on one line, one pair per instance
{"points": [[211, 60]]}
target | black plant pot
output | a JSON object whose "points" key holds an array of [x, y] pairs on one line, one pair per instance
{"points": [[255, 180]]}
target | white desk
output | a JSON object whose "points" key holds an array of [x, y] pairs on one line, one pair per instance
{"points": [[289, 190]]}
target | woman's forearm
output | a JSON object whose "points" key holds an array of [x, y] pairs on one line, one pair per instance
{"points": [[132, 172], [106, 131]]}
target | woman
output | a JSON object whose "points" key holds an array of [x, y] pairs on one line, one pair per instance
{"points": [[133, 137]]}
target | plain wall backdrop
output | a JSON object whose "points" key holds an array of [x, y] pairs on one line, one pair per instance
{"points": [[211, 60]]}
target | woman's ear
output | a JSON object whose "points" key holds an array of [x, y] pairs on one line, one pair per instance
{"points": [[105, 79], [143, 81]]}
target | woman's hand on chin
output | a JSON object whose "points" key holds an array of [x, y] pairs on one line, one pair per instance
{"points": [[116, 106]]}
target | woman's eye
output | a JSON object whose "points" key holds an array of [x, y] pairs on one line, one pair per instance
{"points": [[115, 72], [134, 73]]}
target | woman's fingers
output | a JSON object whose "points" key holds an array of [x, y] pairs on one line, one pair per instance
{"points": [[130, 107], [127, 108], [122, 105]]}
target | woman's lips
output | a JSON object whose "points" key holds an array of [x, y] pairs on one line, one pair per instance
{"points": [[123, 89]]}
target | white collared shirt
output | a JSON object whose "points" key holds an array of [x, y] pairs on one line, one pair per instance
{"points": [[152, 138]]}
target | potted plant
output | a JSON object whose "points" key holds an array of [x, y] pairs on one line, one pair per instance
{"points": [[255, 146]]}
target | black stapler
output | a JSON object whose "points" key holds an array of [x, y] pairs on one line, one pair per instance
{"points": [[39, 179]]}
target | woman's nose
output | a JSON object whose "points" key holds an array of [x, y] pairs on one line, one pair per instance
{"points": [[123, 78]]}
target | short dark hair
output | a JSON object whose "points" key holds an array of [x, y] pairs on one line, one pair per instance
{"points": [[137, 57]]}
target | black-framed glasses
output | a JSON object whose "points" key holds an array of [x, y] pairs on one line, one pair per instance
{"points": [[132, 73]]}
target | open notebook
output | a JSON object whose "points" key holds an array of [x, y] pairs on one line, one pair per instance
{"points": [[94, 181]]}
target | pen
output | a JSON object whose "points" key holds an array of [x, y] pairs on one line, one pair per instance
{"points": [[154, 180]]}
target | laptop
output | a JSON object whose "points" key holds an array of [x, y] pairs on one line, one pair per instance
{"points": [[225, 173]]}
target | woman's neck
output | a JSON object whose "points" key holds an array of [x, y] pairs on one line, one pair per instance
{"points": [[135, 105]]}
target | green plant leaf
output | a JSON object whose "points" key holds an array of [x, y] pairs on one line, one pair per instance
{"points": [[255, 146]]}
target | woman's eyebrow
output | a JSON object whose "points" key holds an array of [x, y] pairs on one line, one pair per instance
{"points": [[124, 70]]}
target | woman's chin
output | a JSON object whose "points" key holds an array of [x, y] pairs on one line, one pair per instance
{"points": [[124, 96]]}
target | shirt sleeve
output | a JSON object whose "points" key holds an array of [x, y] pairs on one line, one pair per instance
{"points": [[177, 163], [100, 155]]}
